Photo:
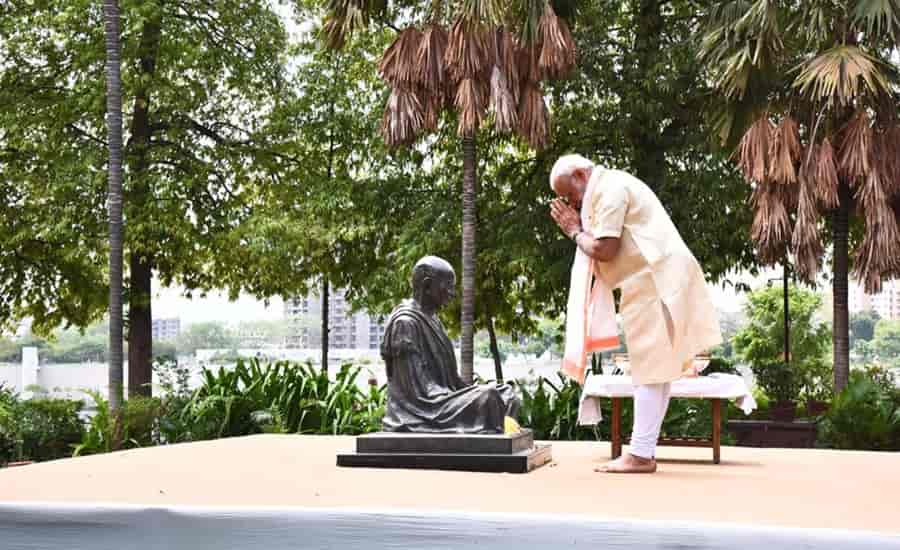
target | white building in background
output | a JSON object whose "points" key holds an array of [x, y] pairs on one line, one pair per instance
{"points": [[166, 329], [886, 303], [347, 330]]}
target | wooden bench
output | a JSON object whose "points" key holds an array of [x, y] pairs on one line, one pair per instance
{"points": [[714, 442], [714, 388]]}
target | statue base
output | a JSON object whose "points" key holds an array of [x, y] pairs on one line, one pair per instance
{"points": [[511, 453]]}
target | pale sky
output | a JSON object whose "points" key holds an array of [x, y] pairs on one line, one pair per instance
{"points": [[170, 302]]}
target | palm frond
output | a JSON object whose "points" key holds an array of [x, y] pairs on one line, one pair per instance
{"points": [[855, 147], [878, 17], [403, 118], [528, 61], [487, 11], [528, 14], [471, 102], [806, 241], [507, 47], [771, 229], [753, 150], [343, 17], [534, 118], [558, 51], [398, 65], [824, 173], [887, 153], [784, 151], [879, 253], [430, 65], [503, 102], [469, 53], [432, 105], [841, 75]]}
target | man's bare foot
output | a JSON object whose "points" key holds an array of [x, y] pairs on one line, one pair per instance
{"points": [[628, 464]]}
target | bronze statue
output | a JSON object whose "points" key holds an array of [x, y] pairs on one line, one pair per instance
{"points": [[425, 392]]}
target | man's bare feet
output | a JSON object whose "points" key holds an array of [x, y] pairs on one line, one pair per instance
{"points": [[628, 464]]}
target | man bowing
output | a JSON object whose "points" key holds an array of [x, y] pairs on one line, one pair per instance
{"points": [[630, 243]]}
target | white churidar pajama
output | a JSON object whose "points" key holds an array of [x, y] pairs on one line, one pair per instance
{"points": [[666, 308], [650, 404]]}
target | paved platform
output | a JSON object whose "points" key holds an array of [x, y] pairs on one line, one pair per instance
{"points": [[761, 487]]}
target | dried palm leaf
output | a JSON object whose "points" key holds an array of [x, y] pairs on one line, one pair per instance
{"points": [[806, 240], [771, 227], [432, 105], [888, 154], [558, 51], [826, 176], [534, 118], [855, 148], [398, 64], [471, 102], [430, 65], [345, 16], [879, 253], [529, 64], [468, 54], [784, 151], [502, 102], [508, 62], [754, 149], [403, 118]]}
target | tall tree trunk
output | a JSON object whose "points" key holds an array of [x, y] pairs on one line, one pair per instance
{"points": [[787, 314], [140, 319], [495, 350], [841, 323], [648, 147], [467, 369], [140, 328], [114, 140], [325, 329]]}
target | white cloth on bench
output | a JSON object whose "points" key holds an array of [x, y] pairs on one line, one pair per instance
{"points": [[716, 385]]}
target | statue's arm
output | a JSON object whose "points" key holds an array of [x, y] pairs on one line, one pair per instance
{"points": [[410, 370]]}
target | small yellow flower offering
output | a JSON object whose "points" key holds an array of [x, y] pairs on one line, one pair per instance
{"points": [[510, 426]]}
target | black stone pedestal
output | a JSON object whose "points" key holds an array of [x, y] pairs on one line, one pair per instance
{"points": [[513, 453]]}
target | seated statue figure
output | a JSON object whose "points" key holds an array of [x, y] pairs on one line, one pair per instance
{"points": [[425, 391]]}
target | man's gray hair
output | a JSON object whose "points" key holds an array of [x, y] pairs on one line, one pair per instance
{"points": [[566, 166]]}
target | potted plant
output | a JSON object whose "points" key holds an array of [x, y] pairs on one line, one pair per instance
{"points": [[780, 382]]}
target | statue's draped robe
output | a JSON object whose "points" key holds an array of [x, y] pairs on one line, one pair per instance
{"points": [[425, 392]]}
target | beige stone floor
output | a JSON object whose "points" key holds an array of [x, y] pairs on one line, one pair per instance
{"points": [[801, 488]]}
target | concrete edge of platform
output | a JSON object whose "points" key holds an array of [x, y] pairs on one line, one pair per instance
{"points": [[100, 526]]}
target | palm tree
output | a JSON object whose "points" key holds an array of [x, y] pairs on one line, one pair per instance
{"points": [[114, 140], [485, 56], [810, 103]]}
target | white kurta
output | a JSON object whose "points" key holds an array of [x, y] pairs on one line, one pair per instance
{"points": [[666, 308]]}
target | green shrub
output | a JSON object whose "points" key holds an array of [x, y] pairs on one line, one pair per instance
{"points": [[8, 401], [281, 397], [551, 410], [778, 380], [866, 415], [135, 425], [46, 429]]}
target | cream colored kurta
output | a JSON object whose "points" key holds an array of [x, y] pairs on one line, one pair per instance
{"points": [[667, 312]]}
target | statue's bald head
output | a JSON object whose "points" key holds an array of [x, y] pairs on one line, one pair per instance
{"points": [[433, 280]]}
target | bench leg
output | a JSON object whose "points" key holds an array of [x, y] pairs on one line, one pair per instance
{"points": [[616, 435], [717, 429]]}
